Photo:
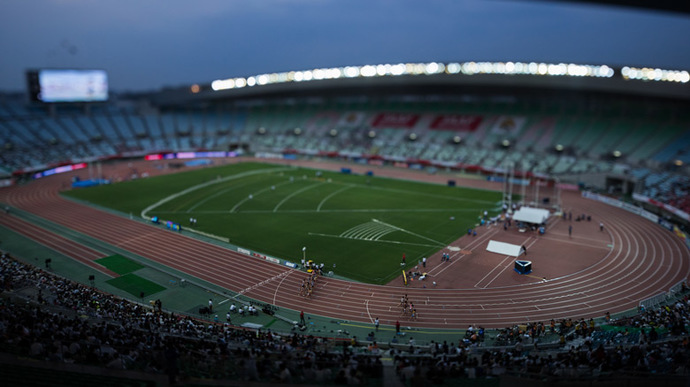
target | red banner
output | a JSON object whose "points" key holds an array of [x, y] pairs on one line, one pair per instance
{"points": [[459, 122], [395, 120]]}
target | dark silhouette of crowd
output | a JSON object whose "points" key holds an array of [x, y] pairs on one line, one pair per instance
{"points": [[73, 323], [68, 322]]}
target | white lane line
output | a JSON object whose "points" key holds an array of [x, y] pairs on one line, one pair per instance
{"points": [[278, 287]]}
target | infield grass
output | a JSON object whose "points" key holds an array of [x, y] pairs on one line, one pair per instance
{"points": [[359, 226]]}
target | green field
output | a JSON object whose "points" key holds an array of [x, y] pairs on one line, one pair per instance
{"points": [[361, 224]]}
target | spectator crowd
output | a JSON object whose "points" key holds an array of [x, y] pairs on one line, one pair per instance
{"points": [[68, 322]]}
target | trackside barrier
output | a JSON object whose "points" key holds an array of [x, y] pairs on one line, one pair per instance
{"points": [[678, 287], [654, 301], [617, 203], [662, 298]]}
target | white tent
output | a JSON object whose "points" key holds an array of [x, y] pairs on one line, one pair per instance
{"points": [[504, 248], [531, 215]]}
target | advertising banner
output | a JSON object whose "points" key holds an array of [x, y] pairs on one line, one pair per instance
{"points": [[456, 122]]}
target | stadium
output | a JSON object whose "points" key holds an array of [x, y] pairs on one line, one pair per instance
{"points": [[379, 214]]}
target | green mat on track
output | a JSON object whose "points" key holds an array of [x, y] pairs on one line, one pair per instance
{"points": [[134, 285], [119, 264]]}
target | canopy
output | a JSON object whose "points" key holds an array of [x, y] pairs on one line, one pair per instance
{"points": [[531, 215], [504, 248]]}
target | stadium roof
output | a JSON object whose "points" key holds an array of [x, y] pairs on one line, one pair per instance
{"points": [[443, 78], [674, 6]]}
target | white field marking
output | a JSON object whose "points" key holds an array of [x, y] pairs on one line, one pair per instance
{"points": [[367, 305], [318, 208], [409, 232], [349, 210], [234, 208], [285, 199], [492, 270], [444, 267], [223, 302], [376, 241], [204, 200], [204, 185], [480, 239], [497, 275], [458, 256], [507, 266], [264, 282], [370, 231], [278, 287]]}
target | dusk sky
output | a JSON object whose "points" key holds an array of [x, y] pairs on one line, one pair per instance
{"points": [[150, 44]]}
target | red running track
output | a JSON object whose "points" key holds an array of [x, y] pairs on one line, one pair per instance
{"points": [[643, 260]]}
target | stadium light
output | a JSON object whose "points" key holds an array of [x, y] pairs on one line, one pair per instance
{"points": [[658, 75], [368, 71], [465, 68]]}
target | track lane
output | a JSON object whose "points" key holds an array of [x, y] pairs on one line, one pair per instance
{"points": [[644, 261]]}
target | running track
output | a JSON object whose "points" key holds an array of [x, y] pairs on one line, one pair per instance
{"points": [[645, 260]]}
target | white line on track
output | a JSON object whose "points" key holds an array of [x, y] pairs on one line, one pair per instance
{"points": [[593, 243], [366, 303], [278, 287], [132, 240], [264, 282], [492, 270], [458, 256]]}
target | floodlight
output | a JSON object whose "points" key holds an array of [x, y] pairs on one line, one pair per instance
{"points": [[453, 68], [368, 71]]}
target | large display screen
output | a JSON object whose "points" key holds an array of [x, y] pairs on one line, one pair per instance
{"points": [[65, 85]]}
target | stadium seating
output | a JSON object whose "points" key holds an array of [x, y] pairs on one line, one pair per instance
{"points": [[33, 136]]}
